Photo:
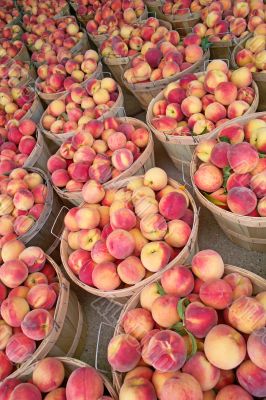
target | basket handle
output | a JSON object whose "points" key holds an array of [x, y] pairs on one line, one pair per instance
{"points": [[55, 222], [107, 74]]}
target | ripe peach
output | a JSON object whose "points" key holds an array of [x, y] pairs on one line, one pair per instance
{"points": [[13, 273], [87, 238], [105, 277], [173, 205], [138, 322], [258, 184], [208, 178], [202, 370], [233, 391], [252, 378], [100, 253], [200, 319], [148, 295], [153, 226], [34, 279], [178, 281], [164, 310], [256, 347], [77, 386], [213, 78], [227, 377], [120, 244], [124, 352], [208, 265], [19, 348], [178, 233], [234, 133], [26, 391], [182, 386], [241, 200], [48, 374], [122, 159], [13, 310], [225, 93], [41, 296], [242, 77], [5, 334], [219, 154], [236, 180], [240, 285], [237, 109], [155, 255], [37, 324], [215, 112], [250, 311], [60, 177], [191, 105], [7, 387], [57, 394], [193, 53], [34, 257], [139, 239], [139, 372], [131, 270], [216, 293], [137, 388], [123, 219]]}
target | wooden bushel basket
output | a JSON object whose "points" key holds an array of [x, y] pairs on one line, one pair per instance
{"points": [[181, 23], [60, 138], [65, 338], [139, 167], [259, 285], [259, 77], [36, 110], [40, 154], [181, 148], [245, 231], [145, 92], [70, 365], [182, 257]]}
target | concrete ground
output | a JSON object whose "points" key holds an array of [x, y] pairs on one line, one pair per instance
{"points": [[102, 314]]}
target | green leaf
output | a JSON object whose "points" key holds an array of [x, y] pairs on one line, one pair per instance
{"points": [[226, 174], [178, 327], [160, 289], [194, 344], [64, 116], [181, 306], [212, 200], [224, 139], [261, 155], [205, 44]]}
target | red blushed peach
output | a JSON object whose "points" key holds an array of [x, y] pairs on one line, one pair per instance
{"points": [[139, 239], [6, 366], [225, 93], [262, 207], [37, 324], [237, 109], [153, 226], [87, 217], [195, 88], [41, 296], [131, 270], [13, 273], [13, 310], [7, 387], [77, 259], [22, 224], [219, 154], [178, 233], [164, 310], [87, 238], [246, 314], [23, 199], [100, 253], [258, 184], [120, 244], [123, 219], [256, 347], [93, 192], [3, 292], [241, 200], [56, 162], [138, 322], [221, 341], [36, 211], [159, 378], [242, 158], [123, 353], [105, 277], [48, 374], [237, 180], [191, 105], [240, 285], [231, 392], [139, 372], [193, 53], [26, 391], [242, 77], [70, 220], [60, 177], [77, 387], [173, 205], [6, 224], [11, 250], [57, 394], [200, 319], [183, 386], [116, 141], [246, 94], [85, 274], [34, 257], [122, 159], [178, 281], [252, 378], [155, 255], [227, 377], [217, 294], [208, 265], [148, 295], [213, 78], [5, 334], [165, 351], [34, 279], [215, 112], [137, 388], [208, 178], [234, 133], [202, 370], [19, 348]]}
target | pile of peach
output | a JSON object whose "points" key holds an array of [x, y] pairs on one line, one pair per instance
{"points": [[8, 12], [253, 56], [11, 32], [9, 49], [14, 74], [197, 334], [182, 7], [22, 200], [80, 106], [101, 152], [195, 105], [59, 77], [16, 144], [28, 293], [48, 8], [119, 237], [114, 13], [50, 35], [50, 379], [14, 103], [132, 39], [233, 173]]}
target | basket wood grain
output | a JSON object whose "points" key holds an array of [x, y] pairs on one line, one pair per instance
{"points": [[70, 365], [60, 138], [180, 148], [66, 333], [48, 97], [139, 167], [183, 24], [23, 55], [182, 257], [245, 231], [259, 285], [145, 92], [259, 77], [36, 110], [40, 154]]}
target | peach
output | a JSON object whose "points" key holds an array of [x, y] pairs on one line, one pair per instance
{"points": [[6, 204], [122, 159], [202, 370], [231, 392], [139, 239], [215, 112], [56, 162], [193, 53], [252, 378], [237, 109], [222, 340], [165, 124], [155, 178], [241, 77], [77, 259], [41, 296], [182, 386], [241, 285], [238, 26], [19, 348], [138, 322], [178, 233], [105, 277], [22, 224], [7, 387], [204, 149], [155, 255], [153, 227], [131, 270], [216, 293], [159, 378], [208, 265], [13, 310], [124, 352], [219, 154], [77, 387], [34, 279], [100, 253], [258, 184], [225, 93], [87, 238], [120, 244], [85, 273], [246, 94], [5, 334], [37, 324], [34, 257], [227, 377], [139, 372], [236, 180], [234, 134], [26, 391], [241, 200], [178, 281], [123, 219], [145, 205], [213, 78], [57, 394], [148, 295], [137, 388], [191, 105], [246, 314], [208, 178], [200, 319], [256, 347], [173, 205], [87, 218], [13, 273], [60, 177], [164, 310], [165, 351], [262, 207], [49, 374]]}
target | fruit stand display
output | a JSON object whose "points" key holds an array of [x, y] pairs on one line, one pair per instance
{"points": [[150, 223]]}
